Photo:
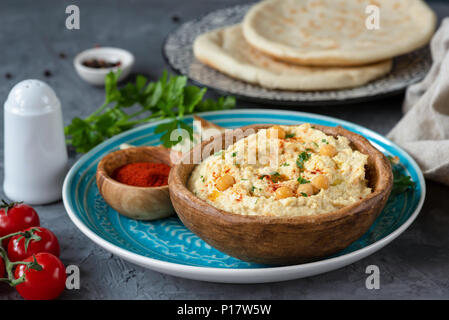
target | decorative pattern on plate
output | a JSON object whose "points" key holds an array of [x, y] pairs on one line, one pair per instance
{"points": [[169, 240], [177, 49]]}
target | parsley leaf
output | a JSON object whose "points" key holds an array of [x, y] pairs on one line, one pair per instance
{"points": [[274, 177], [302, 157], [401, 184], [401, 181], [301, 180]]}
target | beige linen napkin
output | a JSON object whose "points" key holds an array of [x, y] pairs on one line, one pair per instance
{"points": [[424, 130]]}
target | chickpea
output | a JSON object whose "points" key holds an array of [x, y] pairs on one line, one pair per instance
{"points": [[328, 150], [320, 182], [307, 188], [276, 132], [225, 182], [283, 192]]}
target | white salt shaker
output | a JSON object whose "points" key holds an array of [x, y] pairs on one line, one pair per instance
{"points": [[35, 151]]}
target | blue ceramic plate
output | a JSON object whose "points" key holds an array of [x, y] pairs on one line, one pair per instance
{"points": [[169, 247]]}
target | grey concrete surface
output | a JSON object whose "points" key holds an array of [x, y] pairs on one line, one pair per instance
{"points": [[33, 34]]}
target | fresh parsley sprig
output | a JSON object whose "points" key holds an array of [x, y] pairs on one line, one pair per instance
{"points": [[168, 98], [401, 181]]}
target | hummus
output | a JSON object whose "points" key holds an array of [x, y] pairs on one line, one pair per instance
{"points": [[283, 171]]}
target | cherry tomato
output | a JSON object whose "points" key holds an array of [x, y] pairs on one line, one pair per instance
{"points": [[48, 243], [46, 284], [2, 268], [16, 217]]}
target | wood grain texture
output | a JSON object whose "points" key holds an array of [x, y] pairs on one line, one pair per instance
{"points": [[281, 240], [139, 203]]}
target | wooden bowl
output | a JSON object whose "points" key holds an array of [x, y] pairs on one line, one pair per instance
{"points": [[139, 203], [284, 240]]}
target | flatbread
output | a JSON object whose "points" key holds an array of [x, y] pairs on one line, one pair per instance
{"points": [[334, 32], [226, 50]]}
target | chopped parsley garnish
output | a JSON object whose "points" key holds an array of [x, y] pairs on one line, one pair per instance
{"points": [[303, 157], [234, 154], [288, 136], [244, 179], [285, 164], [315, 144], [275, 177], [253, 188], [301, 180], [304, 194], [325, 141], [202, 178]]}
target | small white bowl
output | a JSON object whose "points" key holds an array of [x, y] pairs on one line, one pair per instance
{"points": [[96, 76]]}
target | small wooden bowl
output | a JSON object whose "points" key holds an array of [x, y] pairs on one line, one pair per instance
{"points": [[283, 240], [139, 203]]}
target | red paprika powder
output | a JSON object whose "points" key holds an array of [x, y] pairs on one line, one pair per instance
{"points": [[143, 174]]}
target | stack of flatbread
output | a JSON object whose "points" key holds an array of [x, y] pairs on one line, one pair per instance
{"points": [[317, 44]]}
